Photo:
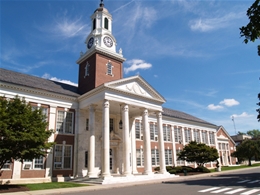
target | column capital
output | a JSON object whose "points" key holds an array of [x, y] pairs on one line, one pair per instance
{"points": [[106, 103], [144, 112], [124, 107], [159, 114]]}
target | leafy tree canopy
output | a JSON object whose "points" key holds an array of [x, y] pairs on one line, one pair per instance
{"points": [[199, 153], [247, 150], [241, 133], [251, 31], [23, 131], [255, 133]]}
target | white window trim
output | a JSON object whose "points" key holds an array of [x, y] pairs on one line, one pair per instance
{"points": [[64, 122], [31, 165], [62, 157], [109, 64]]}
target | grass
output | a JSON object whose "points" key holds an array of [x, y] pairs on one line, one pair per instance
{"points": [[226, 168], [52, 185]]}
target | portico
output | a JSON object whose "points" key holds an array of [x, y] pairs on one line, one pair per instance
{"points": [[121, 100]]}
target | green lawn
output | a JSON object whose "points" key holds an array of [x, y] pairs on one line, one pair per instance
{"points": [[53, 185], [226, 168]]}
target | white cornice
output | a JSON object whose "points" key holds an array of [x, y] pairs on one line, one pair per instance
{"points": [[97, 49], [36, 91]]}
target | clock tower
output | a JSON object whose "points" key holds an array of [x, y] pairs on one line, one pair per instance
{"points": [[100, 63]]}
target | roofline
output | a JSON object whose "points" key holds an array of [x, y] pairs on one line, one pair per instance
{"points": [[37, 91], [219, 127]]}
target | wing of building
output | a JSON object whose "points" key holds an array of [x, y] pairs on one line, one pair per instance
{"points": [[108, 124]]}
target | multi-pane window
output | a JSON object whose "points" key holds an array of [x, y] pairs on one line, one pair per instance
{"points": [[64, 122], [139, 157], [204, 135], [187, 133], [155, 157], [177, 134], [219, 146], [111, 124], [168, 157], [7, 165], [153, 132], [223, 146], [87, 70], [37, 163], [138, 130], [179, 162], [109, 68], [62, 156], [166, 133], [43, 109], [211, 138], [196, 135]]}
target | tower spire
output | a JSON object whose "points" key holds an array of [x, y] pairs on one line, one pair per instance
{"points": [[101, 3]]}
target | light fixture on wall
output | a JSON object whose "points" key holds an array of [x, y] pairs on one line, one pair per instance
{"points": [[120, 122]]}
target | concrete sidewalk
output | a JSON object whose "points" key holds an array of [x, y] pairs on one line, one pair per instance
{"points": [[93, 187]]}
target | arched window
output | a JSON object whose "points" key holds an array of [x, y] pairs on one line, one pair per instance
{"points": [[109, 69], [106, 23], [94, 24]]}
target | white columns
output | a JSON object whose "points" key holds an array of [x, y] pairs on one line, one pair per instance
{"points": [[192, 135], [147, 144], [105, 139], [183, 141], [91, 149], [126, 140], [174, 147], [161, 143], [133, 146]]}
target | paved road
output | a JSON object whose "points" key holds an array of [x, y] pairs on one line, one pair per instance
{"points": [[243, 182], [239, 182]]}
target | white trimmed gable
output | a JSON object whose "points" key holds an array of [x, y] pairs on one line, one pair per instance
{"points": [[137, 86]]}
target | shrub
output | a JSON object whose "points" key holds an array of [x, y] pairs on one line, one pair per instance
{"points": [[168, 168], [188, 169], [202, 169], [172, 171], [157, 169]]}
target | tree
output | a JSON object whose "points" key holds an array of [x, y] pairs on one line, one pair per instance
{"points": [[23, 131], [247, 150], [251, 31], [241, 133], [255, 133], [199, 153]]}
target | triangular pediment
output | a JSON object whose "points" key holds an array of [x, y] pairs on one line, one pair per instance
{"points": [[135, 85]]}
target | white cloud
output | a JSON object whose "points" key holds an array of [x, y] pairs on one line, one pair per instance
{"points": [[243, 115], [48, 76], [69, 28], [208, 24], [213, 107], [229, 102], [136, 64]]}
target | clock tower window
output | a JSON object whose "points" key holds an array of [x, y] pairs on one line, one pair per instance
{"points": [[109, 69], [87, 70], [94, 24], [106, 23]]}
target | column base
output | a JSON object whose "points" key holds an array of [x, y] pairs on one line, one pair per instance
{"points": [[92, 175], [164, 172], [148, 173]]}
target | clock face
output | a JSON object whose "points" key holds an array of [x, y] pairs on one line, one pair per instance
{"points": [[90, 42], [108, 41]]}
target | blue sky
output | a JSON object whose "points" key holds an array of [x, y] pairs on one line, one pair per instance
{"points": [[189, 51]]}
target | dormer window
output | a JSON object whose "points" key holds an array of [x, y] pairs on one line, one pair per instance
{"points": [[109, 68], [106, 23], [94, 24], [87, 70]]}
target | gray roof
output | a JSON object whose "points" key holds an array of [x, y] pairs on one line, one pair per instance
{"points": [[34, 82], [182, 115]]}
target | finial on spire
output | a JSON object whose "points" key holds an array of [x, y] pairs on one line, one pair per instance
{"points": [[101, 3]]}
